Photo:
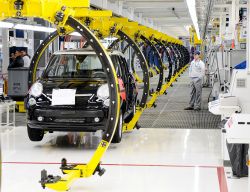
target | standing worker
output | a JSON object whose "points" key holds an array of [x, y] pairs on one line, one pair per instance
{"points": [[26, 58], [196, 73], [18, 61]]}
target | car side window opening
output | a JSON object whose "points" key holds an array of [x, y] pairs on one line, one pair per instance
{"points": [[124, 68], [50, 69], [116, 65], [129, 78]]}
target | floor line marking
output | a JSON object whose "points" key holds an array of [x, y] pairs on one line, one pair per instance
{"points": [[220, 170], [222, 179], [116, 164]]}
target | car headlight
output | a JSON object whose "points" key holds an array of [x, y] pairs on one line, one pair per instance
{"points": [[36, 89], [103, 92]]}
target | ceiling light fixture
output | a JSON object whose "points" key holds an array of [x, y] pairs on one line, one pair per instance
{"points": [[6, 25], [9, 25], [192, 11], [34, 28]]}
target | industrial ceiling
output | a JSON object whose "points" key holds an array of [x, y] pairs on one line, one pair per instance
{"points": [[170, 16]]}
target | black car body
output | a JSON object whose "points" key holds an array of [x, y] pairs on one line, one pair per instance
{"points": [[80, 71]]}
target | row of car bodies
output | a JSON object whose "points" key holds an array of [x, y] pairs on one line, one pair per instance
{"points": [[51, 108]]}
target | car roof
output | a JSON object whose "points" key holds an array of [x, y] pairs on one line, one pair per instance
{"points": [[86, 51]]}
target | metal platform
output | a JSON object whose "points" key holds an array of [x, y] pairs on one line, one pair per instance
{"points": [[170, 111]]}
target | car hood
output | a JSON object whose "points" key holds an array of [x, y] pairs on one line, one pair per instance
{"points": [[82, 87]]}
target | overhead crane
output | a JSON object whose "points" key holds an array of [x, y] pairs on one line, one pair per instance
{"points": [[68, 16]]}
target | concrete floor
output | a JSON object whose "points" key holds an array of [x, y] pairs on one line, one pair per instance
{"points": [[146, 160], [149, 159]]}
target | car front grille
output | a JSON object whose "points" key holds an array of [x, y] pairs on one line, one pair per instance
{"points": [[69, 120], [81, 101]]}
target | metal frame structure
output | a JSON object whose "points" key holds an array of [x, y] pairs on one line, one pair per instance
{"points": [[77, 16]]}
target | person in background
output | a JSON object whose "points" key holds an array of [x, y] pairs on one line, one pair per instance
{"points": [[196, 73], [26, 58], [12, 60], [192, 54], [18, 62], [12, 57]]}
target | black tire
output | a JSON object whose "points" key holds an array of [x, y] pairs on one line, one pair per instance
{"points": [[118, 133], [35, 134]]}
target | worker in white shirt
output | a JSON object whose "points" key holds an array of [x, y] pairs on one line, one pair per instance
{"points": [[196, 73], [26, 59]]}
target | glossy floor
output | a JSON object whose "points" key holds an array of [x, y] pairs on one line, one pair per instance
{"points": [[159, 160]]}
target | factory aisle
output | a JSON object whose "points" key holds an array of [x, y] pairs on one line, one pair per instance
{"points": [[170, 112]]}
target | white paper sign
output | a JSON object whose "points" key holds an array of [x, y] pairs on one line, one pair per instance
{"points": [[63, 96]]}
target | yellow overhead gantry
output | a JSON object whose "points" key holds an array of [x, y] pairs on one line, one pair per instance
{"points": [[111, 26], [105, 27], [165, 38], [63, 14]]}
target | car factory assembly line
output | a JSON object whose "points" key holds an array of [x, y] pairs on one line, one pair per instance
{"points": [[94, 25]]}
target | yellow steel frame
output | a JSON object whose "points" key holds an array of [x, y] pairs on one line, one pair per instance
{"points": [[80, 171], [84, 171], [102, 23], [131, 125], [20, 106], [150, 34], [153, 72], [47, 9], [127, 127], [134, 30], [138, 79], [172, 80]]}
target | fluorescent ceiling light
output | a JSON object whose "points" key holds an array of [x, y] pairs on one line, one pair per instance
{"points": [[9, 25], [1, 45], [6, 25], [34, 28], [192, 11]]}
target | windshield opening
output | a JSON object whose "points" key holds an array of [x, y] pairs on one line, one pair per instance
{"points": [[74, 66]]}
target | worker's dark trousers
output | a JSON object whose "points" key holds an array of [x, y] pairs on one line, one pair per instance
{"points": [[196, 91]]}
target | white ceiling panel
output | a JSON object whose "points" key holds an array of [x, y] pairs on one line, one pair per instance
{"points": [[169, 15]]}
